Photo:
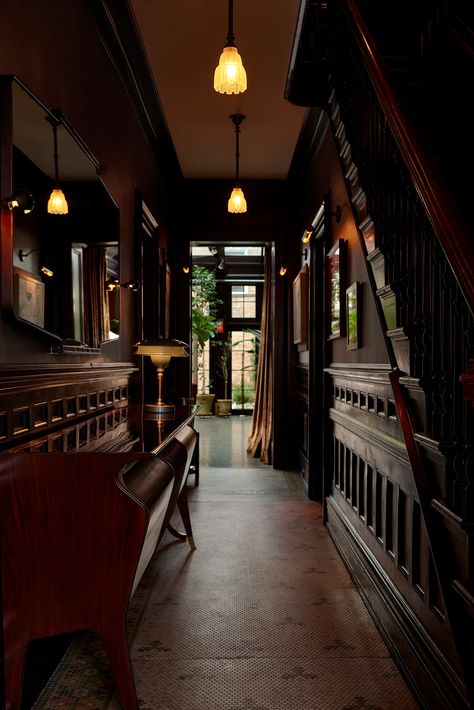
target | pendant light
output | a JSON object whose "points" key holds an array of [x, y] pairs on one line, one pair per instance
{"points": [[57, 202], [237, 202], [230, 76]]}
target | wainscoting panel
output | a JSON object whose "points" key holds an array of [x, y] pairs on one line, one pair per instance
{"points": [[375, 519]]}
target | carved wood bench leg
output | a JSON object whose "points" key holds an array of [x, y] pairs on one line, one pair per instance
{"points": [[183, 508], [186, 518]]}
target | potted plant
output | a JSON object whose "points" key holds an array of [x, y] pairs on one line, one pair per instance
{"points": [[203, 325], [223, 366]]}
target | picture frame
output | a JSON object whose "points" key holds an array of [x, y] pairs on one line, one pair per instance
{"points": [[300, 309], [28, 297], [353, 317], [336, 279]]}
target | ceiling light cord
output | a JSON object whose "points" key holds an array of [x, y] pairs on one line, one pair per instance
{"points": [[230, 25], [237, 153], [237, 119], [55, 154]]}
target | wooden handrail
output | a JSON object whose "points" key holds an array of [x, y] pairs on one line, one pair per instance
{"points": [[443, 215]]}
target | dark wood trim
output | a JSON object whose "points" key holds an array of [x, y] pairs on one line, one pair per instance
{"points": [[117, 29], [315, 125], [6, 182], [428, 672], [317, 481]]}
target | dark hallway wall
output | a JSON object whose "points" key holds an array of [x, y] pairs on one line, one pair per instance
{"points": [[55, 51]]}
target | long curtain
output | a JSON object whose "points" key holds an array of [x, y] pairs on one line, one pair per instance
{"points": [[96, 304], [260, 438]]}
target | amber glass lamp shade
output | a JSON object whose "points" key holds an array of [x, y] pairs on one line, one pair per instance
{"points": [[237, 202], [57, 202], [230, 76]]}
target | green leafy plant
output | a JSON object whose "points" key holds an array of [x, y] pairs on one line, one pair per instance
{"points": [[204, 303], [242, 396], [223, 360]]}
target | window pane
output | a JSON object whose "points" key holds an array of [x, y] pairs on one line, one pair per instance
{"points": [[244, 301], [244, 369], [243, 251]]}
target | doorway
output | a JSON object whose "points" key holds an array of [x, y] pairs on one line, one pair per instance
{"points": [[226, 364]]}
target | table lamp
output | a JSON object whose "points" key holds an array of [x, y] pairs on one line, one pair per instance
{"points": [[161, 350]]}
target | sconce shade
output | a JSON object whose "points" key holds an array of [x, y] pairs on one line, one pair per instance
{"points": [[57, 202], [230, 76], [237, 202], [20, 200]]}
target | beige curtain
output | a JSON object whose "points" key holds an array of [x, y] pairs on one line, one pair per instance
{"points": [[260, 437], [96, 303]]}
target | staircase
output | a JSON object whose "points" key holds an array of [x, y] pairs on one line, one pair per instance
{"points": [[394, 74]]}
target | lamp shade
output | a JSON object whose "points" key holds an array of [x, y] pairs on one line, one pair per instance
{"points": [[230, 76], [161, 350], [237, 202], [57, 202]]}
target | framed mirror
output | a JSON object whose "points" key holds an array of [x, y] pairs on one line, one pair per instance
{"points": [[60, 272]]}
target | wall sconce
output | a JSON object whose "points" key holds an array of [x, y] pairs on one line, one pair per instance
{"points": [[57, 202], [237, 202], [44, 269], [132, 285], [21, 199], [306, 235], [230, 76], [161, 351], [283, 270], [308, 232], [185, 269], [112, 284]]}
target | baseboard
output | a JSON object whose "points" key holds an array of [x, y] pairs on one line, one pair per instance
{"points": [[426, 669]]}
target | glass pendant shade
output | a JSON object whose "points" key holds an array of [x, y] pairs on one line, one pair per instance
{"points": [[57, 202], [237, 202], [230, 76]]}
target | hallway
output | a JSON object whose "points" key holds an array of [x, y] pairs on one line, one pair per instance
{"points": [[263, 616]]}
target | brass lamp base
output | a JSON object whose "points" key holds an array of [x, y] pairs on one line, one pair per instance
{"points": [[161, 411]]}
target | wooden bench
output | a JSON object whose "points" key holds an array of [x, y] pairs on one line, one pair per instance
{"points": [[78, 530]]}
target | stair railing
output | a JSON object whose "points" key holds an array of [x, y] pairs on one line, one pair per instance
{"points": [[421, 273]]}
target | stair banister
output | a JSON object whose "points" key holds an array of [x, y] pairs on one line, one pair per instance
{"points": [[448, 225]]}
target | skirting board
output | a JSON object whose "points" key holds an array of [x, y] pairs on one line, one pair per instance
{"points": [[427, 671]]}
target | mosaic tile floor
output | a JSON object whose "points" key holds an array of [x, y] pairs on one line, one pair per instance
{"points": [[262, 616]]}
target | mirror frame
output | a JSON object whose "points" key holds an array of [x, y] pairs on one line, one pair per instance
{"points": [[6, 222]]}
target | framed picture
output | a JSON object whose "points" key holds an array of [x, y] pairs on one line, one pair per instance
{"points": [[336, 270], [300, 309], [353, 306], [29, 297]]}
